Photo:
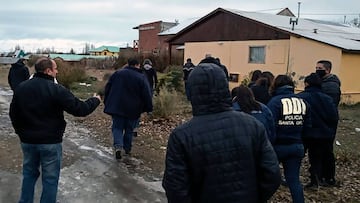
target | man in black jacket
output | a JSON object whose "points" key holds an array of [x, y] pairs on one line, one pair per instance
{"points": [[331, 86], [37, 115], [18, 73], [220, 155], [319, 138], [330, 82]]}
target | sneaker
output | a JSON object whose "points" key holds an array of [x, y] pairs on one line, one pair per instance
{"points": [[118, 154]]}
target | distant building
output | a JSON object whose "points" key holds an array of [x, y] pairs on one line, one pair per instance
{"points": [[11, 57], [105, 51], [149, 42], [285, 12]]}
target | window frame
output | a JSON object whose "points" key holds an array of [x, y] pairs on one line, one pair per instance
{"points": [[262, 59]]}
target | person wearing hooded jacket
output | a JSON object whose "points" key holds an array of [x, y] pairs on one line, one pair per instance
{"points": [[17, 74], [150, 73], [292, 117], [220, 155], [317, 139]]}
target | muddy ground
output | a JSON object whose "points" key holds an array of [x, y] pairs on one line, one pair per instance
{"points": [[150, 147]]}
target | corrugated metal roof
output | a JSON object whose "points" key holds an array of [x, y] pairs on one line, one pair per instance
{"points": [[177, 28], [336, 34], [74, 57], [8, 60], [103, 48], [339, 35]]}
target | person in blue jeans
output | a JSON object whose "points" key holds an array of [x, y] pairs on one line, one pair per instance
{"points": [[127, 95], [292, 118], [40, 125]]}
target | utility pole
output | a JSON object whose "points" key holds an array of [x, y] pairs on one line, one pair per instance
{"points": [[299, 9]]}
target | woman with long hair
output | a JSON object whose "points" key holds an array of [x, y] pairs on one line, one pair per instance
{"points": [[245, 102]]}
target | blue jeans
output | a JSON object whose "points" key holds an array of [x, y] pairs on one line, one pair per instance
{"points": [[290, 156], [122, 130], [48, 156]]}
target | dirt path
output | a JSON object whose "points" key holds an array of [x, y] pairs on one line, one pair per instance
{"points": [[89, 172]]}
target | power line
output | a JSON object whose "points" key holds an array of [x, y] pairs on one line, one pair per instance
{"points": [[330, 14]]}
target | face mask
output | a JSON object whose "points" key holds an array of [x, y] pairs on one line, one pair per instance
{"points": [[321, 73]]}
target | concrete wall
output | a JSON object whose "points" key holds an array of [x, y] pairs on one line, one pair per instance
{"points": [[349, 75], [235, 55], [304, 55], [297, 56]]}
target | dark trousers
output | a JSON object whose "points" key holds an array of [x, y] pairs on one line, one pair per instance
{"points": [[329, 160], [321, 158]]}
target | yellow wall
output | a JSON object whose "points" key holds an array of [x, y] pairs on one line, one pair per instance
{"points": [[104, 53], [235, 55], [350, 83], [297, 56], [108, 53], [305, 53]]}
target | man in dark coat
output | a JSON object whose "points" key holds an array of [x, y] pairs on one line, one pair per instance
{"points": [[127, 95], [331, 86], [18, 73], [223, 67], [187, 68], [330, 82], [37, 115], [220, 155], [318, 138]]}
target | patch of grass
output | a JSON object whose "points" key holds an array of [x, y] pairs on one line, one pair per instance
{"points": [[169, 102], [346, 133], [84, 91]]}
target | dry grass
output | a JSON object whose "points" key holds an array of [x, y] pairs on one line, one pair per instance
{"points": [[4, 71]]}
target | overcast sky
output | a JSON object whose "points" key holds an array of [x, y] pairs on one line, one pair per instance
{"points": [[62, 25]]}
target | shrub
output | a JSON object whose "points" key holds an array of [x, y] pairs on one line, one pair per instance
{"points": [[167, 102], [69, 74], [173, 80]]}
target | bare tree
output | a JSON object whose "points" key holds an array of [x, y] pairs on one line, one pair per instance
{"points": [[72, 51]]}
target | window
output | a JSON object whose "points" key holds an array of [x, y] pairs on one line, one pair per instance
{"points": [[257, 54], [234, 77]]}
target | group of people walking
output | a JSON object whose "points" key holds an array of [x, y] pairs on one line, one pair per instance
{"points": [[226, 155], [228, 151], [40, 122]]}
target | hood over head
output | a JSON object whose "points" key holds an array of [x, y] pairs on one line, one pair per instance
{"points": [[208, 89]]}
